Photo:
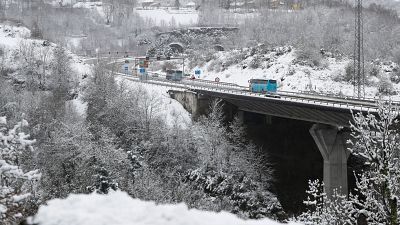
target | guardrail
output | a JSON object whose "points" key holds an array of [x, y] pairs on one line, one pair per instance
{"points": [[222, 88], [347, 102]]}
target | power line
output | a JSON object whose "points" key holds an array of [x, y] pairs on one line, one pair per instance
{"points": [[359, 72]]}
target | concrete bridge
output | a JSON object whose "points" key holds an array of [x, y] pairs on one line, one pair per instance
{"points": [[330, 117]]}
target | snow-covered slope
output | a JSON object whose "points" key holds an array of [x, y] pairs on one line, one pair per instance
{"points": [[10, 36], [170, 110], [282, 64], [21, 53], [17, 39], [120, 209], [95, 6]]}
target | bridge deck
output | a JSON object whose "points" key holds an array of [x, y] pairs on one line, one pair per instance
{"points": [[301, 106]]}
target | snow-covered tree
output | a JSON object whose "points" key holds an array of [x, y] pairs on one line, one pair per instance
{"points": [[16, 185], [211, 140], [229, 175], [326, 210], [177, 4], [376, 139]]}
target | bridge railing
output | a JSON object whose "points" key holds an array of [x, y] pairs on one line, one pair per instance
{"points": [[324, 100]]}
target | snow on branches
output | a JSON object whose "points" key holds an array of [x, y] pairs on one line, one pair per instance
{"points": [[375, 138], [14, 182]]}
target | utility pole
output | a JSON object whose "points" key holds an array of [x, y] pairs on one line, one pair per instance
{"points": [[359, 73]]}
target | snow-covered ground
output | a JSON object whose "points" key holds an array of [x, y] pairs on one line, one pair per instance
{"points": [[11, 36], [96, 6], [279, 64], [170, 110], [120, 209], [169, 17], [17, 39]]}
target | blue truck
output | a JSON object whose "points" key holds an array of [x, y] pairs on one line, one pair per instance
{"points": [[263, 86]]}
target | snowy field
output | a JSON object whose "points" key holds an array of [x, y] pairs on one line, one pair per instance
{"points": [[169, 17], [120, 209]]}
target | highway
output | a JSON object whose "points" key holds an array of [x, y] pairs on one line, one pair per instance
{"points": [[317, 99]]}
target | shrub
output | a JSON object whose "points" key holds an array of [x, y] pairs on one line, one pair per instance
{"points": [[385, 87], [215, 65], [337, 76], [291, 71], [308, 58], [255, 62], [349, 72], [374, 71], [324, 64], [395, 77], [396, 56]]}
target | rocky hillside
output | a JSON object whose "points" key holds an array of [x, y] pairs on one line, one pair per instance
{"points": [[296, 70]]}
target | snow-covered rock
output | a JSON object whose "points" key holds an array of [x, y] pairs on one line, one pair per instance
{"points": [[119, 208]]}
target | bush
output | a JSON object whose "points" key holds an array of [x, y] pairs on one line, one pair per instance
{"points": [[308, 58], [396, 56], [337, 76], [324, 64], [255, 63], [291, 71], [395, 77], [235, 58], [374, 71], [349, 72], [385, 87], [215, 65]]}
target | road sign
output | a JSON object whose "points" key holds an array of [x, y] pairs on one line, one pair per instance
{"points": [[125, 67], [142, 70], [217, 79]]}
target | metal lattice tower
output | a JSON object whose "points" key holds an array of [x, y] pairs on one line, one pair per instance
{"points": [[359, 72]]}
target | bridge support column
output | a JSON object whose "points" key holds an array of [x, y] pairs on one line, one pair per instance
{"points": [[268, 119], [331, 143], [240, 115]]}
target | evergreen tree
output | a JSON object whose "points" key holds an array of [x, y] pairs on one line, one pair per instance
{"points": [[62, 81]]}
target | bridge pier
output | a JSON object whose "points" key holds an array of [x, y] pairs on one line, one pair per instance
{"points": [[194, 103], [332, 145]]}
